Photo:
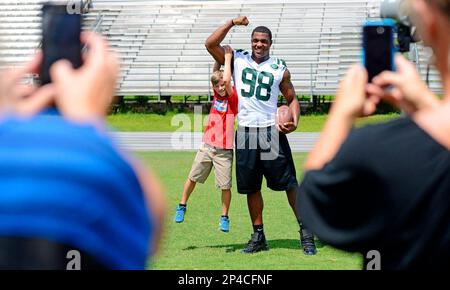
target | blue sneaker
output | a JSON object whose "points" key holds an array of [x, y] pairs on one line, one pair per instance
{"points": [[179, 215], [224, 224]]}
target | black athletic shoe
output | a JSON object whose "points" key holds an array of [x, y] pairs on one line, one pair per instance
{"points": [[307, 242], [256, 244]]}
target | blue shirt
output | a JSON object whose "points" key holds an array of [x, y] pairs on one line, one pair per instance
{"points": [[67, 183]]}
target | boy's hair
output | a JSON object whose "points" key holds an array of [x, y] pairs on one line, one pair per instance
{"points": [[216, 77]]}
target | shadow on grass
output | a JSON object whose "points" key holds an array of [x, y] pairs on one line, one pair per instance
{"points": [[273, 244]]}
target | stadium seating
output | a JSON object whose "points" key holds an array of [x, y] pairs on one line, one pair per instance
{"points": [[161, 43]]}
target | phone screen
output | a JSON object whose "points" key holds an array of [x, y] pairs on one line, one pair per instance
{"points": [[378, 46], [60, 38]]}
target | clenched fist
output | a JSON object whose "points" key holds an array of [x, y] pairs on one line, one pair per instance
{"points": [[241, 20]]}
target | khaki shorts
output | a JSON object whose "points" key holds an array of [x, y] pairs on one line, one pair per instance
{"points": [[209, 157]]}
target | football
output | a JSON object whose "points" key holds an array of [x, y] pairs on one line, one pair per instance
{"points": [[284, 115]]}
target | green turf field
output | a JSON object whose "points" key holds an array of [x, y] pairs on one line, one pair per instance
{"points": [[198, 244], [162, 123]]}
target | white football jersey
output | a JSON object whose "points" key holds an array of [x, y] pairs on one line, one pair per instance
{"points": [[258, 88]]}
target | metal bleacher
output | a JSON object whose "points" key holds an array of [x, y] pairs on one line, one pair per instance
{"points": [[161, 43]]}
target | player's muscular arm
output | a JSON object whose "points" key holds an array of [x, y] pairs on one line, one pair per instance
{"points": [[288, 91], [216, 66], [212, 44]]}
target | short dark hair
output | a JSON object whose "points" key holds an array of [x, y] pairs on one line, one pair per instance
{"points": [[263, 29]]}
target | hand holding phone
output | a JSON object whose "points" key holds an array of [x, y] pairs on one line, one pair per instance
{"points": [[60, 38], [408, 92], [378, 46], [84, 95]]}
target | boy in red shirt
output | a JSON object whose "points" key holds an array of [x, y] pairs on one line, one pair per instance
{"points": [[217, 148]]}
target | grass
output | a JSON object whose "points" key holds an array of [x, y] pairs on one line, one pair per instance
{"points": [[162, 123], [197, 243]]}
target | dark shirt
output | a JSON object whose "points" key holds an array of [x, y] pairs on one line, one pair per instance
{"points": [[387, 189]]}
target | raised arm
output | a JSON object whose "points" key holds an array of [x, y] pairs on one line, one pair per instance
{"points": [[212, 44], [288, 91], [227, 71]]}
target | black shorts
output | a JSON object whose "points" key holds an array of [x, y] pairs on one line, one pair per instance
{"points": [[263, 152]]}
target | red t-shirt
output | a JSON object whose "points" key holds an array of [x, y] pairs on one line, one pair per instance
{"points": [[220, 129]]}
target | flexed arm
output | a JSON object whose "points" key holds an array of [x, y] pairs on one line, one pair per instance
{"points": [[212, 44]]}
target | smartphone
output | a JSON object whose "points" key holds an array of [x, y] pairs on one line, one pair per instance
{"points": [[60, 38], [378, 46]]}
